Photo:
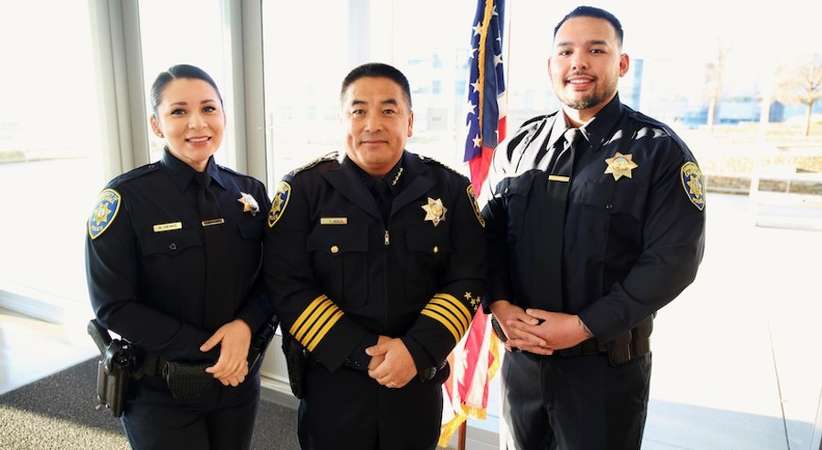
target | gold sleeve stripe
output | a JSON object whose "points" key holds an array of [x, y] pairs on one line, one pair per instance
{"points": [[317, 325], [305, 313], [311, 321], [457, 313], [319, 337], [443, 321], [452, 299], [448, 315]]}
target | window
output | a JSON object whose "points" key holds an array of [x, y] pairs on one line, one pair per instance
{"points": [[188, 32], [50, 152]]}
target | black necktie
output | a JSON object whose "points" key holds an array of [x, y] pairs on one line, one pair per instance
{"points": [[560, 172], [219, 306]]}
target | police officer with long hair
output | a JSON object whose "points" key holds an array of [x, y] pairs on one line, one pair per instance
{"points": [[173, 253]]}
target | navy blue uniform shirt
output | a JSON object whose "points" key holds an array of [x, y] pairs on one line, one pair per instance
{"points": [[634, 223], [344, 270], [145, 257]]}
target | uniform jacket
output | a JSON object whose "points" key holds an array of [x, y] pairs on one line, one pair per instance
{"points": [[338, 273], [145, 259], [631, 245]]}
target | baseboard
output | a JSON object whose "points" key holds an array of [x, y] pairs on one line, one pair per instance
{"points": [[32, 305]]}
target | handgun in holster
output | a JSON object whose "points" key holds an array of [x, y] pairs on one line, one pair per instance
{"points": [[296, 359], [117, 363]]}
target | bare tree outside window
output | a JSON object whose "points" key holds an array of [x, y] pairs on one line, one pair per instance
{"points": [[801, 83]]}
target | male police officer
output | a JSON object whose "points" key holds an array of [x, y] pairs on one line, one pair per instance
{"points": [[595, 221], [381, 253]]}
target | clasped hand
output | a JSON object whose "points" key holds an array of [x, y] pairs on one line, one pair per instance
{"points": [[391, 364], [235, 339]]}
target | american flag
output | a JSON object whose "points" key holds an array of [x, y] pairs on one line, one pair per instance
{"points": [[486, 90], [476, 357]]}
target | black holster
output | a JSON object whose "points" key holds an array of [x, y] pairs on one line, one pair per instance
{"points": [[296, 359], [634, 343]]}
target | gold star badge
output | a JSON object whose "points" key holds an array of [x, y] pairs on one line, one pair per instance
{"points": [[620, 165], [249, 203], [435, 211]]}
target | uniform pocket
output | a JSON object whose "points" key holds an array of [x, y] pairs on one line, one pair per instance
{"points": [[170, 242], [340, 257]]}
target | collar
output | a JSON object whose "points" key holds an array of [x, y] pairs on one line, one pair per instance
{"points": [[595, 130], [395, 178], [182, 174]]}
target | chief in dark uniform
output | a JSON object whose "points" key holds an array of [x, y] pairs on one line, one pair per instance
{"points": [[595, 221], [173, 257], [378, 265]]}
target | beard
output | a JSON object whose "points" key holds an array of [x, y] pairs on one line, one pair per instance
{"points": [[597, 97]]}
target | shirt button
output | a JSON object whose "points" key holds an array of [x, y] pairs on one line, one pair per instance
{"points": [[172, 246], [436, 249], [335, 249]]}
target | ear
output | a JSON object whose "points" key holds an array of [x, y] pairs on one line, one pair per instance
{"points": [[155, 126], [410, 123], [624, 64]]}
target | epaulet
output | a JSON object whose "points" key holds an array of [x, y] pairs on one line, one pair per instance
{"points": [[432, 161], [234, 172], [332, 156], [536, 119], [642, 118], [133, 174]]}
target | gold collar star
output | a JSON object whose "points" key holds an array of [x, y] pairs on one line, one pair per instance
{"points": [[435, 211], [249, 203], [620, 165]]}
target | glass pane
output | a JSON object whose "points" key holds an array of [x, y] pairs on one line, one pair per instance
{"points": [[188, 32], [50, 151]]}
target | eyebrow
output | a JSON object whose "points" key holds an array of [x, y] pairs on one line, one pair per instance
{"points": [[592, 42], [390, 101], [210, 100]]}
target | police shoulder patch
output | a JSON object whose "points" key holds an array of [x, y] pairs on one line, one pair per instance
{"points": [[694, 184], [279, 203], [474, 205], [108, 205]]}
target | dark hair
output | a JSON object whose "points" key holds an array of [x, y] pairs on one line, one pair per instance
{"points": [[378, 70], [174, 72], [597, 13]]}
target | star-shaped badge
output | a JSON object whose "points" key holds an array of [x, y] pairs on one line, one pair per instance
{"points": [[435, 211], [249, 203], [620, 165]]}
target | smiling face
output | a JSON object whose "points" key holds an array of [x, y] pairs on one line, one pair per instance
{"points": [[585, 65], [378, 122], [191, 119]]}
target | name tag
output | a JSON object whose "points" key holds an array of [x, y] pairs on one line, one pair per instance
{"points": [[159, 228], [210, 222], [559, 178], [333, 220]]}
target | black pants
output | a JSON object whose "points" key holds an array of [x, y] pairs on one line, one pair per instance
{"points": [[349, 410], [575, 403], [223, 421]]}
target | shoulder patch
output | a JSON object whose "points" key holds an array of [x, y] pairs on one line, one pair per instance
{"points": [[104, 213], [333, 156], [279, 203], [473, 198], [694, 184]]}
